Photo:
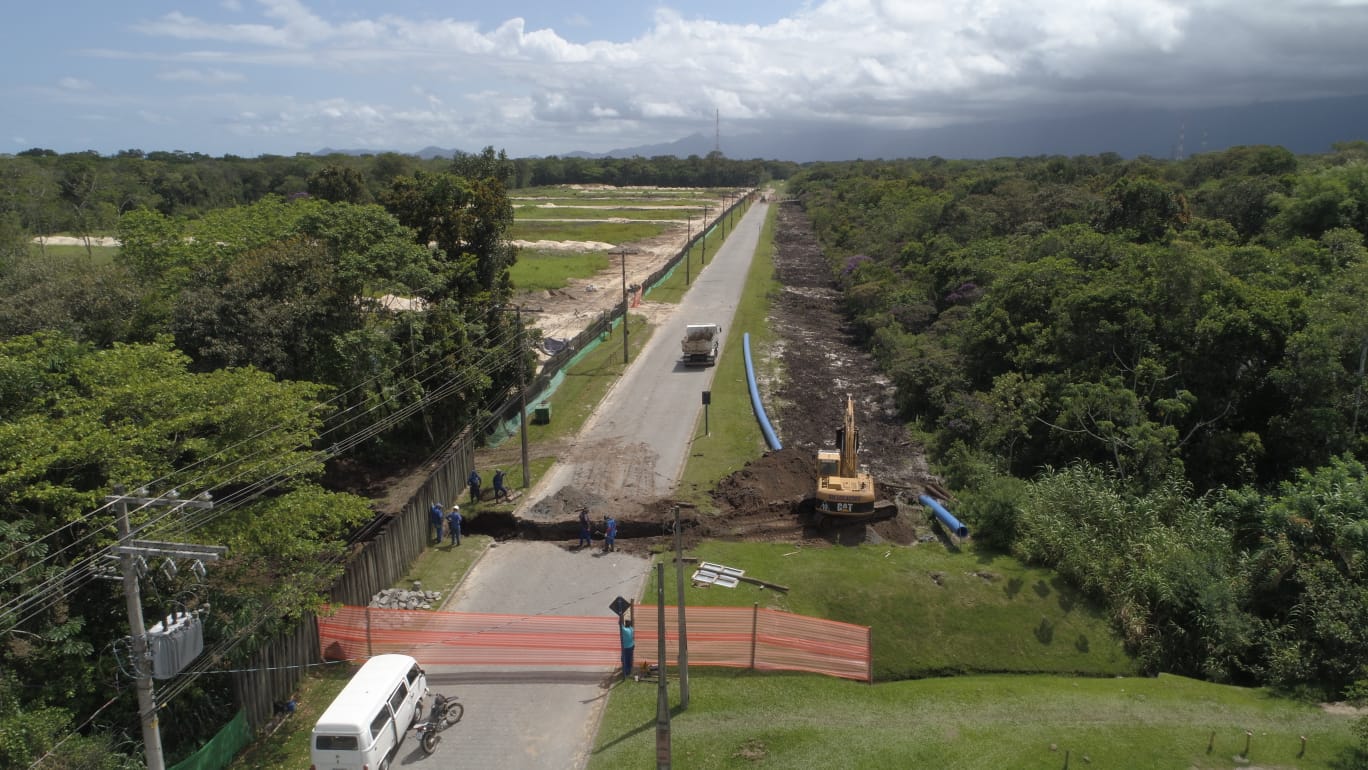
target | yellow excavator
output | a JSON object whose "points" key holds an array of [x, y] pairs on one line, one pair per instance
{"points": [[844, 489]]}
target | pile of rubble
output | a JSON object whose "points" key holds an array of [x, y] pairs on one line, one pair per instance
{"points": [[399, 599]]}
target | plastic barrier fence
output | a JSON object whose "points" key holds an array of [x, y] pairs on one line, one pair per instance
{"points": [[736, 637]]}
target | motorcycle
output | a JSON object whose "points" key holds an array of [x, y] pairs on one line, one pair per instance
{"points": [[445, 713]]}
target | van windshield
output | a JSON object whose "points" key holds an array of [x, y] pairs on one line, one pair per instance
{"points": [[335, 742]]}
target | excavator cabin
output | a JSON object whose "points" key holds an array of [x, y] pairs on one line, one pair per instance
{"points": [[844, 489]]}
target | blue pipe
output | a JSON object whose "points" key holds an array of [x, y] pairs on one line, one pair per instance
{"points": [[765, 427], [948, 519]]}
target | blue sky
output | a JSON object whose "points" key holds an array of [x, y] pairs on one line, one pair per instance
{"points": [[540, 77]]}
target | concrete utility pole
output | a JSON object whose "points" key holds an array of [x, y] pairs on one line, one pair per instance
{"points": [[683, 632], [623, 256], [522, 388], [687, 249], [662, 689], [705, 235], [129, 551]]}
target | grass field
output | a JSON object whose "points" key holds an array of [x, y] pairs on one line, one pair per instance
{"points": [[932, 611], [99, 255], [542, 269], [532, 212], [738, 719], [606, 232]]}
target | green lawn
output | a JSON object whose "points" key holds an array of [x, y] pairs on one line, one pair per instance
{"points": [[582, 210], [739, 719], [988, 613], [99, 255], [542, 269], [606, 232]]}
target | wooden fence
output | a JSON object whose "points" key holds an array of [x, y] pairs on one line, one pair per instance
{"points": [[381, 555]]}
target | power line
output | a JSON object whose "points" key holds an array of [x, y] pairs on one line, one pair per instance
{"points": [[56, 589]]}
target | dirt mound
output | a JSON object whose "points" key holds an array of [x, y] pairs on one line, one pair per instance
{"points": [[566, 502], [777, 481]]}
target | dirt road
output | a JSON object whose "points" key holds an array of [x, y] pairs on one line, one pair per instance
{"points": [[633, 448]]}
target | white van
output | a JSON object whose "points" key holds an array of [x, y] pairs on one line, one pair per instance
{"points": [[362, 728]]}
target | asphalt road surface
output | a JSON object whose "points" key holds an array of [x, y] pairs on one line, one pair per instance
{"points": [[633, 447]]}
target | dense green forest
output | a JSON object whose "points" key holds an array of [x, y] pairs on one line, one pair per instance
{"points": [[247, 353], [241, 341], [42, 192], [1146, 374]]}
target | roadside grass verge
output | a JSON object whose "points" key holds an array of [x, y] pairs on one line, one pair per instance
{"points": [[289, 745], [537, 466], [542, 269], [734, 437], [740, 719], [932, 611], [441, 567], [588, 381], [607, 232]]}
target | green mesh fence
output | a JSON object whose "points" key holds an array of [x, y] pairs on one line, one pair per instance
{"points": [[218, 753]]}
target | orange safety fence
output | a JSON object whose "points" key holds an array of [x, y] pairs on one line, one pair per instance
{"points": [[736, 637]]}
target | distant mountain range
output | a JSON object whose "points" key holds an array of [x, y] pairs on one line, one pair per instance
{"points": [[1309, 126], [427, 153]]}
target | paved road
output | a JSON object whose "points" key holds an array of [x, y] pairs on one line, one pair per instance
{"points": [[635, 444], [634, 447]]}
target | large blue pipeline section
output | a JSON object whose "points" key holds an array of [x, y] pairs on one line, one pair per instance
{"points": [[765, 427], [948, 519]]}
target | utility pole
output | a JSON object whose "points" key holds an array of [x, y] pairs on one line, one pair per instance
{"points": [[129, 551], [683, 633], [623, 255], [522, 388], [687, 249], [662, 689], [705, 235], [522, 396]]}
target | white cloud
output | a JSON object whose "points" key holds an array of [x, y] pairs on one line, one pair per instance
{"points": [[205, 76], [873, 62], [74, 84]]}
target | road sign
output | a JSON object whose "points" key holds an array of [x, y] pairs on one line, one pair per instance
{"points": [[619, 605]]}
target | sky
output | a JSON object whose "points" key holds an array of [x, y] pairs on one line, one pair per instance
{"points": [[544, 77]]}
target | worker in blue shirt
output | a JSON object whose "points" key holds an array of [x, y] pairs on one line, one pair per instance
{"points": [[454, 524], [435, 519], [628, 640]]}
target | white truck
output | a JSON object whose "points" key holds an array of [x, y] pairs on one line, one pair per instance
{"points": [[701, 344]]}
